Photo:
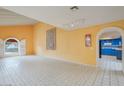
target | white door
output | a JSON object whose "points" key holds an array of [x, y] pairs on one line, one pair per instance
{"points": [[1, 48], [22, 47]]}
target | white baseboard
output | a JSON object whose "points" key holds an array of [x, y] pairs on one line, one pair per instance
{"points": [[70, 61]]}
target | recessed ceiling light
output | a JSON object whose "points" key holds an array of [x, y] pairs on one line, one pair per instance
{"points": [[74, 24]]}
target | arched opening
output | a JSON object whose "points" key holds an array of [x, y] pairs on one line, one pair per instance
{"points": [[110, 46], [11, 47]]}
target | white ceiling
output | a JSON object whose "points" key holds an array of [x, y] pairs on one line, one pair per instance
{"points": [[63, 17], [11, 18]]}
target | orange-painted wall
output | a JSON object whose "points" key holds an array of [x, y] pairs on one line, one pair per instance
{"points": [[19, 32], [70, 44]]}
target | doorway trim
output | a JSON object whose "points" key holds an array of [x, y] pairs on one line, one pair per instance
{"points": [[110, 29], [14, 39]]}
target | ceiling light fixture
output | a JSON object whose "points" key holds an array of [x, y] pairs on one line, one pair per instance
{"points": [[74, 8]]}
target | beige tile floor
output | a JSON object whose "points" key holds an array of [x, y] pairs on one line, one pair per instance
{"points": [[35, 70]]}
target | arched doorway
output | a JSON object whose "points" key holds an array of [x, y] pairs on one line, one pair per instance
{"points": [[11, 47], [109, 32]]}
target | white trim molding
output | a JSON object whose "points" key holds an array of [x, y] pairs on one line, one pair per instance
{"points": [[110, 29], [67, 60]]}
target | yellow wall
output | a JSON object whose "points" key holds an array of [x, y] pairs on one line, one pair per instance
{"points": [[70, 44], [19, 32]]}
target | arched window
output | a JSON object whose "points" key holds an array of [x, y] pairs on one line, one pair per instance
{"points": [[11, 47]]}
